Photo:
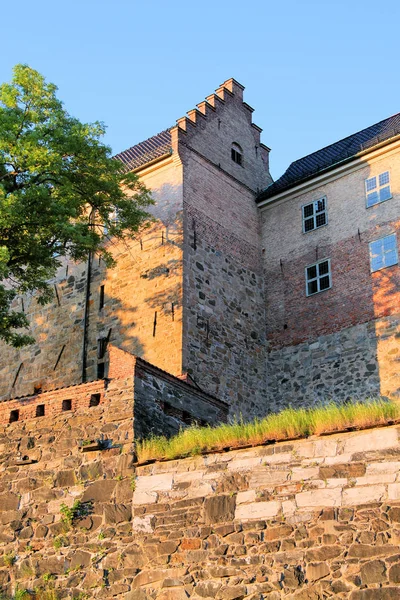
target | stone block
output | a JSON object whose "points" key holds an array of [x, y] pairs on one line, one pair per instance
{"points": [[304, 474], [117, 513], [385, 593], [243, 497], [394, 491], [373, 572], [143, 524], [231, 592], [323, 553], [218, 509], [368, 551], [317, 571], [144, 497], [378, 439], [319, 498], [99, 491], [264, 477], [377, 468], [155, 483], [9, 502], [176, 593], [244, 463], [363, 494], [257, 510], [207, 589], [146, 577], [65, 479], [394, 573]]}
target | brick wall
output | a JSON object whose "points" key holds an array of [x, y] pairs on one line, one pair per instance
{"points": [[336, 344]]}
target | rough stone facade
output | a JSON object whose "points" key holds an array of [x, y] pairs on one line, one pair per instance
{"points": [[215, 288], [145, 287], [303, 520]]}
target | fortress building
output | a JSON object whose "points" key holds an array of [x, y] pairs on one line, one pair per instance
{"points": [[244, 294]]}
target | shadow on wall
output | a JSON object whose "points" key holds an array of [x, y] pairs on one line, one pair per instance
{"points": [[141, 313]]}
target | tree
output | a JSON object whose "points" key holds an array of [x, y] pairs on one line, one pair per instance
{"points": [[60, 191]]}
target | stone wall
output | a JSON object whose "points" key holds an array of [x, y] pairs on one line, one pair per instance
{"points": [[142, 311], [303, 520], [224, 314], [354, 363]]}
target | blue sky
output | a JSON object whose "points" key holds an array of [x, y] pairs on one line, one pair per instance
{"points": [[314, 71]]}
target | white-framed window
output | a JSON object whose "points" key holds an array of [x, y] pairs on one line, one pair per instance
{"points": [[314, 215], [237, 154], [377, 189], [318, 277], [383, 253]]}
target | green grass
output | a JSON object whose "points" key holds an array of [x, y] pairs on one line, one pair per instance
{"points": [[288, 424]]}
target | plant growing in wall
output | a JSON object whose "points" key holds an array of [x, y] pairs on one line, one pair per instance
{"points": [[79, 510], [10, 559]]}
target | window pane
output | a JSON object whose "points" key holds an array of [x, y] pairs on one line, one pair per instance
{"points": [[323, 268], [384, 178], [311, 272], [383, 252], [375, 247], [390, 258], [324, 283], [376, 263], [372, 198], [308, 210], [370, 184], [320, 219], [320, 205], [389, 242], [384, 193], [312, 287], [309, 224]]}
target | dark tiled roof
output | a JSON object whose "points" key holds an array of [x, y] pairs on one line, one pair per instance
{"points": [[146, 151], [330, 156]]}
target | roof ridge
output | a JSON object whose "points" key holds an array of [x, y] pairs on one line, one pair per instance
{"points": [[347, 137], [328, 157]]}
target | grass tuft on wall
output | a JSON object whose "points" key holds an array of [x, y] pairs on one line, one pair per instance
{"points": [[288, 424]]}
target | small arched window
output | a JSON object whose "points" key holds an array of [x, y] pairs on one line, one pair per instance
{"points": [[237, 154]]}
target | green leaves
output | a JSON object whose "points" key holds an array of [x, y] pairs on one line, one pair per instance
{"points": [[60, 190]]}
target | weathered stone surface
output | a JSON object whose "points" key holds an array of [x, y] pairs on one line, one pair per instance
{"points": [[317, 571], [257, 510], [207, 589], [117, 513], [219, 509], [387, 593], [394, 573], [232, 592], [99, 491], [373, 572], [147, 577], [315, 498]]}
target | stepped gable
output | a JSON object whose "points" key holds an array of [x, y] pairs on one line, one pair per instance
{"points": [[146, 151], [161, 144], [213, 104], [329, 157]]}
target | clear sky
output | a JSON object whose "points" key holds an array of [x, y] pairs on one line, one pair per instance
{"points": [[314, 71]]}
